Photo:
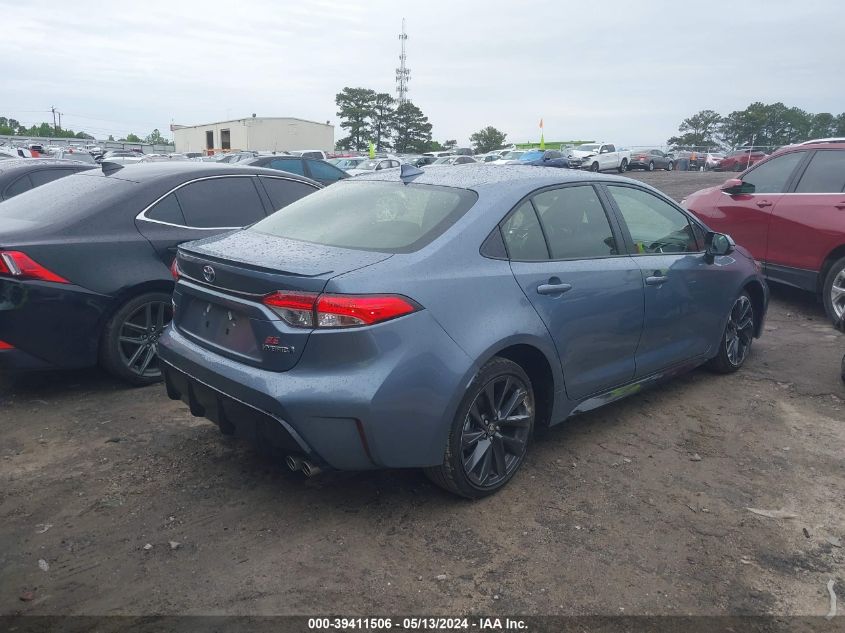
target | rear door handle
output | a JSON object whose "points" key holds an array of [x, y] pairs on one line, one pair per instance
{"points": [[553, 289], [764, 203], [840, 206], [656, 280]]}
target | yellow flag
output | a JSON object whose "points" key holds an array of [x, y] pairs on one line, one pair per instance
{"points": [[542, 141], [372, 150]]}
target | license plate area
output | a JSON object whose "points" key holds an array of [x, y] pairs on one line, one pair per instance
{"points": [[220, 326]]}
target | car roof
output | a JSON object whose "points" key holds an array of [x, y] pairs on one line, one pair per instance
{"points": [[164, 170], [822, 144], [33, 164], [482, 176]]}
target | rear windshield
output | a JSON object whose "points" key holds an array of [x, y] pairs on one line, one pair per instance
{"points": [[388, 217], [64, 199]]}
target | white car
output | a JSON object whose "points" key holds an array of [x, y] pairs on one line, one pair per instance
{"points": [[454, 160], [311, 153], [600, 157], [350, 162], [507, 158], [375, 164]]}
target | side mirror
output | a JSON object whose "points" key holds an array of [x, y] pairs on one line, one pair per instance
{"points": [[717, 245], [735, 187]]}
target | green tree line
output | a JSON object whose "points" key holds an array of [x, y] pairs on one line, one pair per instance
{"points": [[767, 125], [12, 127]]}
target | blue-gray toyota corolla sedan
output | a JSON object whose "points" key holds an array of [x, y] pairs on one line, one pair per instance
{"points": [[435, 319]]}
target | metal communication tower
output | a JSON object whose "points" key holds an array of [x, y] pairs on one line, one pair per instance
{"points": [[403, 74]]}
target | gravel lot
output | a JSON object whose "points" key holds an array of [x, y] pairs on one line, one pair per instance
{"points": [[638, 508]]}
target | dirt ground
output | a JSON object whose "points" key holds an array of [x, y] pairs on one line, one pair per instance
{"points": [[638, 508]]}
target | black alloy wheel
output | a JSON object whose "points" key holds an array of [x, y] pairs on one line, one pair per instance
{"points": [[738, 336], [740, 331], [490, 433], [129, 348]]}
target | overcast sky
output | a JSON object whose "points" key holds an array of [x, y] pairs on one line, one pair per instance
{"points": [[624, 72]]}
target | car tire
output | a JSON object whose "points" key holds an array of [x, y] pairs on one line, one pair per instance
{"points": [[835, 277], [490, 432], [735, 344], [594, 167], [128, 343], [651, 165], [670, 166], [623, 166]]}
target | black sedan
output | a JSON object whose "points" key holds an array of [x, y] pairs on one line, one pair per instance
{"points": [[22, 174], [84, 261], [312, 168], [650, 159]]}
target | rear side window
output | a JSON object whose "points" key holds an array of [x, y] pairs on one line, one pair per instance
{"points": [[290, 165], [575, 223], [220, 203], [282, 192], [656, 227], [19, 186], [167, 210], [825, 173], [772, 176], [379, 216], [523, 236], [324, 171]]}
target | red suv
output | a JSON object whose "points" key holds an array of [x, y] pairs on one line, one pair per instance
{"points": [[789, 211]]}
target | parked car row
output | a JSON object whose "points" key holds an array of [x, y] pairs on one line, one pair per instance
{"points": [[590, 287]]}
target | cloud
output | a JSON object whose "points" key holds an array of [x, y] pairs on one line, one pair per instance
{"points": [[612, 70]]}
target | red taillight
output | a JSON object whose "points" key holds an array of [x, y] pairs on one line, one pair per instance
{"points": [[5, 345], [174, 269], [350, 310], [307, 309], [21, 265], [296, 308]]}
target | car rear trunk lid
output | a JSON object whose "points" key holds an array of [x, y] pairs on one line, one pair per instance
{"points": [[225, 278]]}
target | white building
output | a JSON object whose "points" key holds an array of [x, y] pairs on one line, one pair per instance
{"points": [[254, 133]]}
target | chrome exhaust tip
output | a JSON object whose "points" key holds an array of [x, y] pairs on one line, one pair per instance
{"points": [[309, 469], [294, 462]]}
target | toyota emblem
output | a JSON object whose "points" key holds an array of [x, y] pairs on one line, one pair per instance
{"points": [[208, 273]]}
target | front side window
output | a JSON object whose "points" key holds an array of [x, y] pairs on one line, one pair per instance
{"points": [[825, 173], [654, 224], [378, 216], [523, 236], [575, 223], [324, 171], [282, 192], [773, 175], [220, 203]]}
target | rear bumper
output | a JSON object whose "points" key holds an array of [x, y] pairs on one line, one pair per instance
{"points": [[382, 396], [15, 360], [50, 325]]}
